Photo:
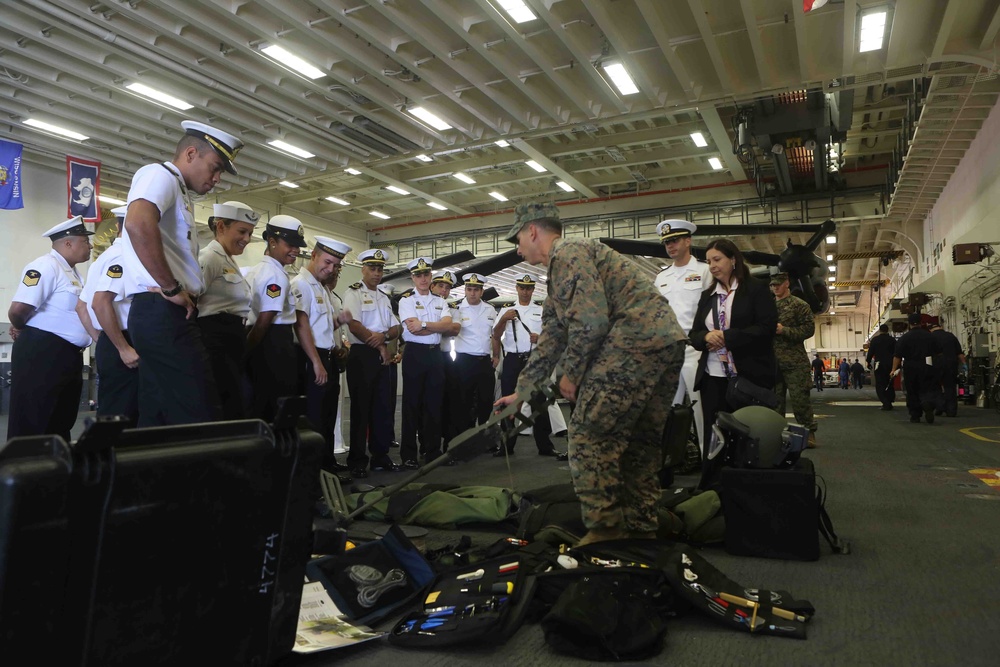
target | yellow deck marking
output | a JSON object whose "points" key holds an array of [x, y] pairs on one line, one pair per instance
{"points": [[971, 432], [988, 476]]}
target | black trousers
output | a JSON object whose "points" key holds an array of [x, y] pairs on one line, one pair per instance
{"points": [[372, 412], [713, 401], [423, 385], [475, 384], [451, 401], [273, 370], [948, 399], [118, 392], [321, 401], [922, 389], [175, 376], [883, 384], [46, 380], [541, 430], [225, 340]]}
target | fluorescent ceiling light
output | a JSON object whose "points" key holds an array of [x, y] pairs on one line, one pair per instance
{"points": [[159, 96], [464, 178], [832, 238], [565, 186], [289, 184], [112, 201], [829, 258], [502, 143], [288, 148], [715, 162], [424, 158], [699, 139], [399, 191], [534, 165], [832, 268], [872, 31], [429, 118], [831, 278], [517, 10], [352, 171], [337, 200], [379, 214], [55, 129], [292, 61], [498, 196], [434, 204], [621, 79]]}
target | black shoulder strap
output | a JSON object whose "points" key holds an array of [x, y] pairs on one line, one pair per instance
{"points": [[838, 545]]}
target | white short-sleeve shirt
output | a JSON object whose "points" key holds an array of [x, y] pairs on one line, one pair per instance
{"points": [[269, 291], [315, 301], [370, 307], [53, 287], [517, 333], [226, 291], [106, 274], [163, 186], [429, 308], [477, 328]]}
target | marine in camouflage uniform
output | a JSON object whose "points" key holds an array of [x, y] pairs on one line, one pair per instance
{"points": [[795, 325], [616, 344]]}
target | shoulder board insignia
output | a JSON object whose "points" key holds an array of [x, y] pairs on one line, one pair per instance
{"points": [[31, 277], [274, 290], [455, 304], [355, 286], [407, 293], [115, 271]]}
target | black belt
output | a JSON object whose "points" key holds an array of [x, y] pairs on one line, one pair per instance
{"points": [[474, 356], [226, 318], [431, 346], [521, 355]]}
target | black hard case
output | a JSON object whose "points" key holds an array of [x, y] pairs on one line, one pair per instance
{"points": [[174, 545], [771, 513]]}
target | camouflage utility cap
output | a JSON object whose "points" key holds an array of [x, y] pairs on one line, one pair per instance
{"points": [[525, 213]]}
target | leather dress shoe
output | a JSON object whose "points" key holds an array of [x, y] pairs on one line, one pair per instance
{"points": [[410, 464], [558, 456], [338, 467], [359, 473], [394, 445], [386, 466]]}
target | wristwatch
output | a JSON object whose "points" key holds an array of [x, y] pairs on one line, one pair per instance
{"points": [[423, 325], [173, 291]]}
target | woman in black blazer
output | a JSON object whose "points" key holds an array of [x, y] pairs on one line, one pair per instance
{"points": [[748, 318]]}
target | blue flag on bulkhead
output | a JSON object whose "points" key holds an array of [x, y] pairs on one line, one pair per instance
{"points": [[10, 175]]}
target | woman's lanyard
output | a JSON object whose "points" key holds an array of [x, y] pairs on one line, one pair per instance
{"points": [[721, 325]]}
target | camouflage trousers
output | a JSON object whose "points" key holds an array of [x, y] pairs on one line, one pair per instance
{"points": [[796, 379], [616, 433]]}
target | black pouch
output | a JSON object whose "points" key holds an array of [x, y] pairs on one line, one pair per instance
{"points": [[374, 579], [484, 603], [609, 616]]}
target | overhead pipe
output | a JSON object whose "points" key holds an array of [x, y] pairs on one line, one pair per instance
{"points": [[128, 45]]}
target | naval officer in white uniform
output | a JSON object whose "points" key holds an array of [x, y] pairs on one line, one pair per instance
{"points": [[682, 283]]}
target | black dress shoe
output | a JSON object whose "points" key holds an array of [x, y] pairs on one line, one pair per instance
{"points": [[394, 445], [410, 463], [386, 466], [562, 456], [493, 450], [338, 467], [359, 473], [502, 452]]}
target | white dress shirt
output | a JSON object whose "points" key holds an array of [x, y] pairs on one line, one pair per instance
{"points": [[683, 285], [517, 333], [370, 307], [425, 308], [53, 287], [314, 300], [226, 291], [106, 274], [477, 328], [269, 291]]}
